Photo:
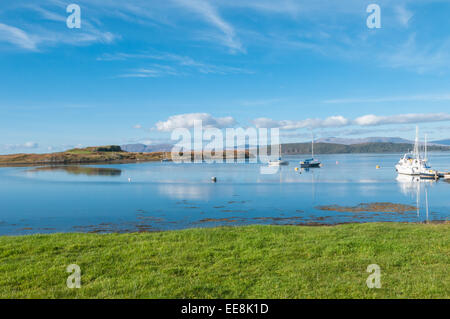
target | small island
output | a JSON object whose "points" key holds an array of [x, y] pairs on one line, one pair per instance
{"points": [[101, 154]]}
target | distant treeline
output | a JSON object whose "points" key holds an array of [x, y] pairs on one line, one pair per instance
{"points": [[328, 148]]}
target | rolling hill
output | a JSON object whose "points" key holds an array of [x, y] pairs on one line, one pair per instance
{"points": [[328, 148], [442, 142], [351, 141]]}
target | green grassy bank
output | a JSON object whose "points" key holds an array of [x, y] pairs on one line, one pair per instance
{"points": [[233, 262]]}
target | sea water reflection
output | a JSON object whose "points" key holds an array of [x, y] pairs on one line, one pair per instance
{"points": [[80, 170], [163, 196]]}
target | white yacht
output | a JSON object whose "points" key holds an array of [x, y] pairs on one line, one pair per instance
{"points": [[412, 163]]}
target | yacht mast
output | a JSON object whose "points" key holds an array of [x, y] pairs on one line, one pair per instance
{"points": [[426, 148], [312, 145], [416, 144]]}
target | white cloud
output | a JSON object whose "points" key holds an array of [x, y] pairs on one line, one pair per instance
{"points": [[332, 121], [147, 142], [204, 67], [137, 126], [187, 121], [31, 145], [403, 15], [419, 57], [371, 120], [26, 145], [210, 14], [17, 37], [179, 65], [155, 71], [340, 121], [32, 36]]}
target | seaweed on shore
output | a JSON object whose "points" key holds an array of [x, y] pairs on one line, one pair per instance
{"points": [[370, 207]]}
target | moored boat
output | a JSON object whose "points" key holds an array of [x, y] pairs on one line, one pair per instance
{"points": [[311, 162], [308, 163], [279, 161], [412, 163]]}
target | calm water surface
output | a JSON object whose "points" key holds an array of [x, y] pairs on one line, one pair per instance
{"points": [[163, 196]]}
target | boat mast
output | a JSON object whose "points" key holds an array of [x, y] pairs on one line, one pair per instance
{"points": [[426, 148], [416, 144], [312, 145]]}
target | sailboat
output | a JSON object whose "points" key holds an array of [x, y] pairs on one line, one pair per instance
{"points": [[279, 161], [311, 162], [412, 163], [427, 172]]}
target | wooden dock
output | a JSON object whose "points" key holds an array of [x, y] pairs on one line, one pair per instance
{"points": [[436, 175]]}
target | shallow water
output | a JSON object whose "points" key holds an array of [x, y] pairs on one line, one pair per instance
{"points": [[163, 196]]}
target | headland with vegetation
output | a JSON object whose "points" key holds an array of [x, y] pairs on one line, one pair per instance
{"points": [[101, 154]]}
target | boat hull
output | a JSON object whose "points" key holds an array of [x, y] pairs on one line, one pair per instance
{"points": [[278, 163], [305, 165], [430, 174], [412, 171]]}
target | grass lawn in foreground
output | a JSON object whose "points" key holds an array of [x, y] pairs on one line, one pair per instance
{"points": [[232, 262]]}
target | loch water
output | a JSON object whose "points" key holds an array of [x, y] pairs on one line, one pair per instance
{"points": [[163, 196]]}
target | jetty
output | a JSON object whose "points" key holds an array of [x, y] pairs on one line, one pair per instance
{"points": [[435, 175]]}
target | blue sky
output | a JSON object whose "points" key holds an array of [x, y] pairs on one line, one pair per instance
{"points": [[137, 69]]}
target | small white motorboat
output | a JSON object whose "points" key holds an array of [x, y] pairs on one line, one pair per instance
{"points": [[279, 161]]}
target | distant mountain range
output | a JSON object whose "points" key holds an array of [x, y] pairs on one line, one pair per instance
{"points": [[396, 140], [142, 148], [352, 141], [442, 142], [328, 148], [331, 145]]}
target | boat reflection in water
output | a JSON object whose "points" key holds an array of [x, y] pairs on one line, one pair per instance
{"points": [[413, 186], [81, 170]]}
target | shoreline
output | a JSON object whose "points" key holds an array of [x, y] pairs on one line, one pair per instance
{"points": [[95, 157], [300, 225], [113, 154]]}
